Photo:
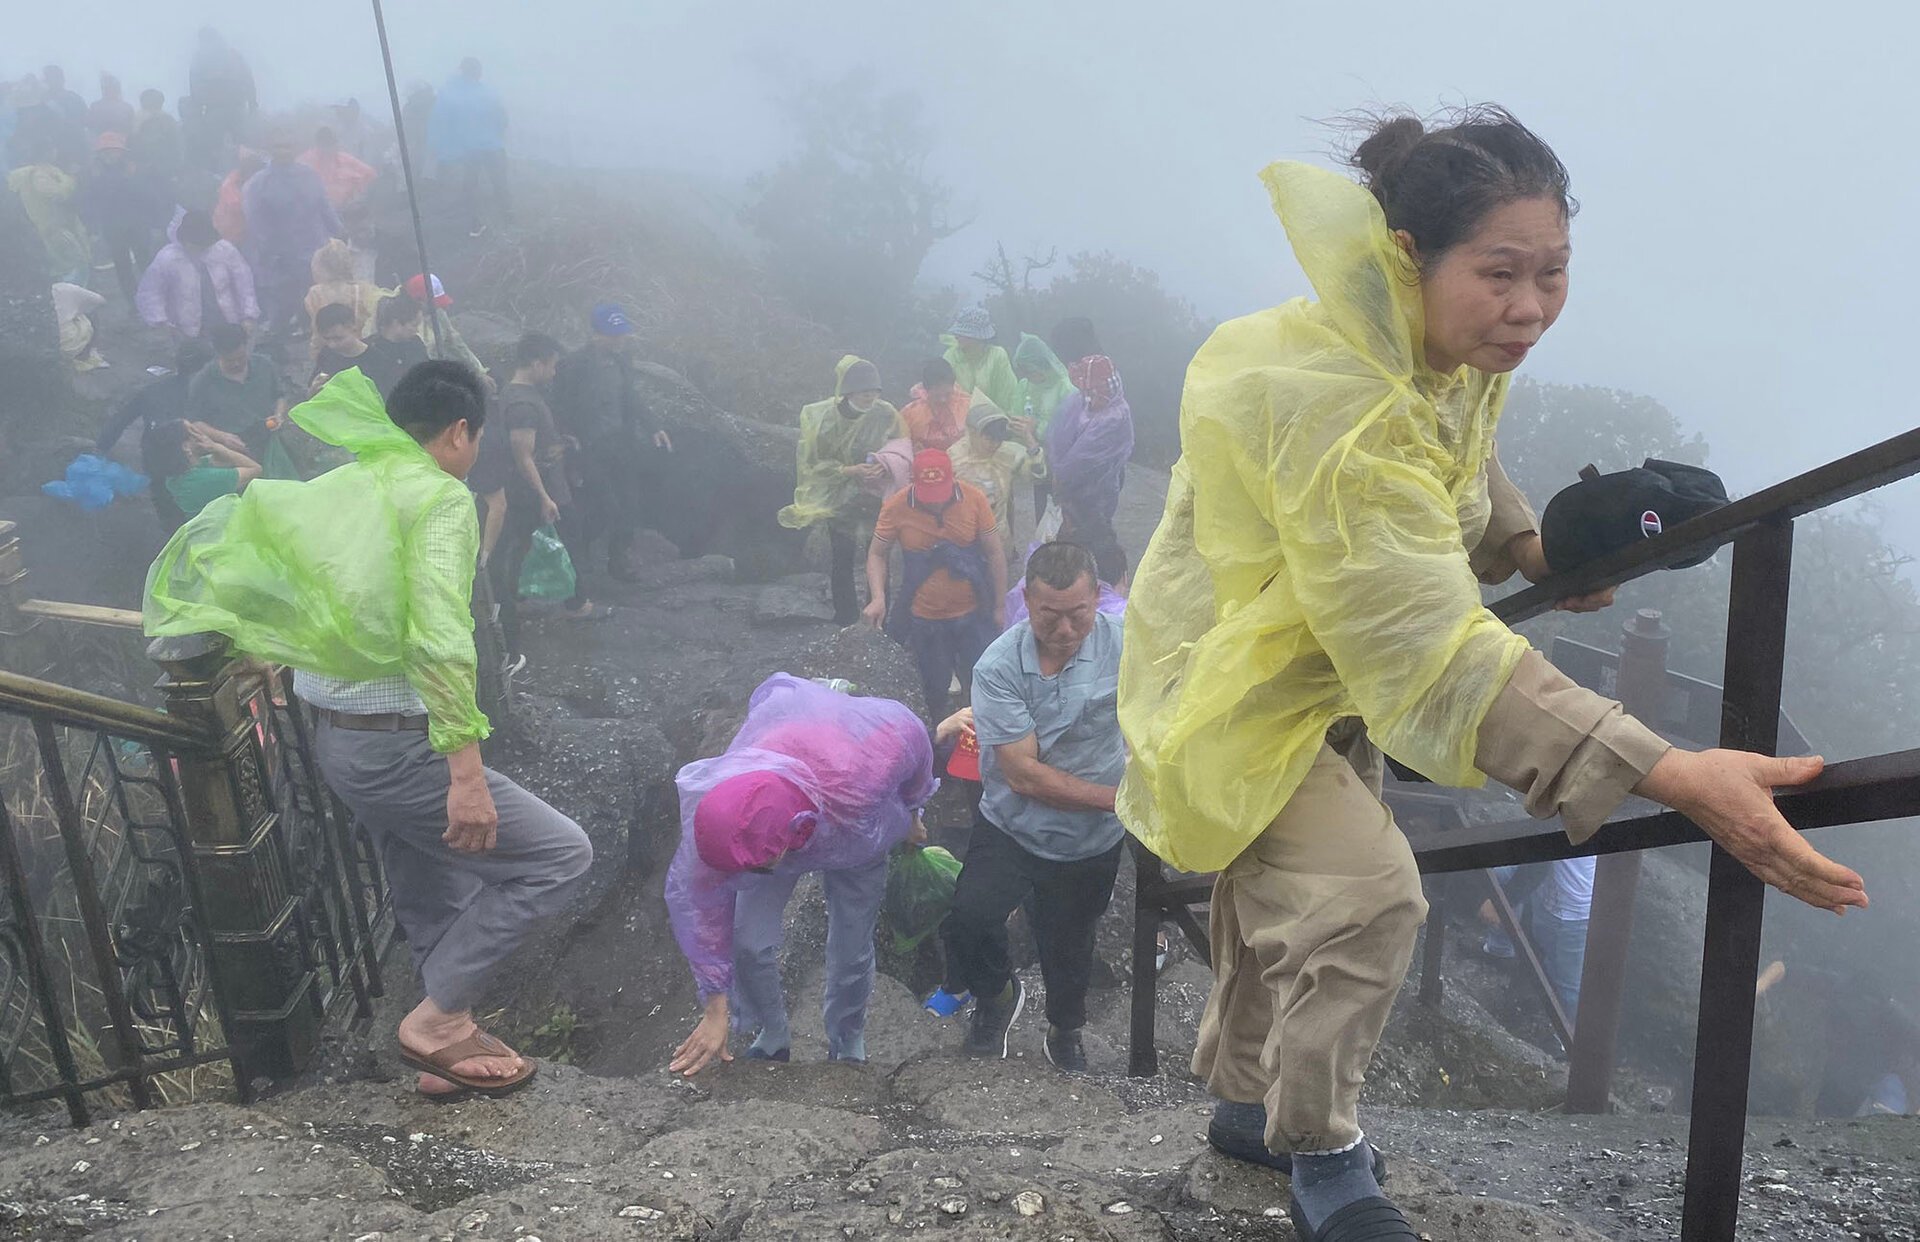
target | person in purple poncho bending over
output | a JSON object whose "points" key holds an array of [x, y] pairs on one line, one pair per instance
{"points": [[815, 780]]}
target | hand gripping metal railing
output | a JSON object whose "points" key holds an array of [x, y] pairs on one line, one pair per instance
{"points": [[180, 898], [1880, 787]]}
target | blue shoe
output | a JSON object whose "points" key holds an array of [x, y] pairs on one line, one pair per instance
{"points": [[783, 1056], [945, 1004]]}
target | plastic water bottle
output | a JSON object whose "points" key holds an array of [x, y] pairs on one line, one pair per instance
{"points": [[836, 683]]}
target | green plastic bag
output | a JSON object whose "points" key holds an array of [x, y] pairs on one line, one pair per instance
{"points": [[547, 573], [920, 882]]}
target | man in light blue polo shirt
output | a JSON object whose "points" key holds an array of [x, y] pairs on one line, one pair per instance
{"points": [[1050, 760]]}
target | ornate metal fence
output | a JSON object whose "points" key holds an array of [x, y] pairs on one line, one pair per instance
{"points": [[183, 906]]}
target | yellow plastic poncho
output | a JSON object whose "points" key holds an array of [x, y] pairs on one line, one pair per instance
{"points": [[49, 196], [991, 372], [828, 441], [325, 576], [1312, 563], [994, 470]]}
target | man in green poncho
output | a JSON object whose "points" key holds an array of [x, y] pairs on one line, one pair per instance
{"points": [[1044, 384], [832, 475], [978, 364], [360, 580]]}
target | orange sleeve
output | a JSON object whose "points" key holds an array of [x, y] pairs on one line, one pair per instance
{"points": [[887, 525]]}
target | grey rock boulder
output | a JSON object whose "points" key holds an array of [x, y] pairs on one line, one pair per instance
{"points": [[798, 599]]}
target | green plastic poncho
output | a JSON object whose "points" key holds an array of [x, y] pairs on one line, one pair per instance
{"points": [[991, 373], [1038, 399], [828, 441], [326, 576], [1312, 563]]}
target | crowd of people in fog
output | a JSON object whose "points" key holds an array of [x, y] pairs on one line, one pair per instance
{"points": [[250, 251], [1309, 601]]}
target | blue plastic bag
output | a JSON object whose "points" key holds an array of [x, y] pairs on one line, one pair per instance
{"points": [[93, 483]]}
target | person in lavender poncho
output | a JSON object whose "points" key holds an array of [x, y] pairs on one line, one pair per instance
{"points": [[1088, 445], [815, 780]]}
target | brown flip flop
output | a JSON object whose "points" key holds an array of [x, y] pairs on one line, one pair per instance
{"points": [[440, 1064]]}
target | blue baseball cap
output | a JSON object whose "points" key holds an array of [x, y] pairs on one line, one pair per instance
{"points": [[610, 319]]}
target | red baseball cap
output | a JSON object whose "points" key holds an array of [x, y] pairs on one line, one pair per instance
{"points": [[417, 290], [932, 477]]}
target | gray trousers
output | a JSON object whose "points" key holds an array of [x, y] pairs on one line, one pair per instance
{"points": [[463, 913], [759, 1000]]}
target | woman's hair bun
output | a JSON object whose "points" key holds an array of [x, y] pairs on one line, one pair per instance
{"points": [[1392, 138]]}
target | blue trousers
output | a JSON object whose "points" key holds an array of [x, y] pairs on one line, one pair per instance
{"points": [[1561, 944], [759, 1000], [943, 650]]}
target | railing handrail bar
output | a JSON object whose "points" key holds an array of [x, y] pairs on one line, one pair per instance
{"points": [[1841, 479], [1855, 791], [31, 696]]}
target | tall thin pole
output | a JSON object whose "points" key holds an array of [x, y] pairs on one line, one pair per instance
{"points": [[406, 171]]}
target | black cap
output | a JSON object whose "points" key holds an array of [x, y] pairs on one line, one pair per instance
{"points": [[1606, 512]]}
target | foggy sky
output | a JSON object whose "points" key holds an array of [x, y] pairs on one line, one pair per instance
{"points": [[1746, 170]]}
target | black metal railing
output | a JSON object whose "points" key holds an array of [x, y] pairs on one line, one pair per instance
{"points": [[107, 976], [182, 905], [1881, 787]]}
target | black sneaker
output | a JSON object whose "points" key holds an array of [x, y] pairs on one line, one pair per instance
{"points": [[993, 1021], [1064, 1050]]}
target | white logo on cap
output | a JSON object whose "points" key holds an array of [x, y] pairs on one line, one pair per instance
{"points": [[1650, 524]]}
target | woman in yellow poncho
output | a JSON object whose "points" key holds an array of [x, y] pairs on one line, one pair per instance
{"points": [[996, 455], [48, 195], [1311, 593], [334, 283], [836, 437]]}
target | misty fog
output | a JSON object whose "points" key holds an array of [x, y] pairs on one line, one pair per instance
{"points": [[1745, 171], [1742, 252]]}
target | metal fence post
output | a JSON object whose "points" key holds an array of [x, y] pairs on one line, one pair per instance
{"points": [[240, 848], [1723, 1048], [1143, 1059], [1616, 880]]}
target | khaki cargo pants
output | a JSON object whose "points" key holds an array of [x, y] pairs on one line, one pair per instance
{"points": [[1313, 927]]}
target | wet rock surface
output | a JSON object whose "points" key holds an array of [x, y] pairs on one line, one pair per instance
{"points": [[798, 599], [811, 1150]]}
